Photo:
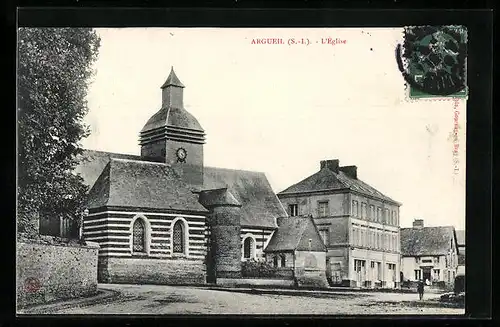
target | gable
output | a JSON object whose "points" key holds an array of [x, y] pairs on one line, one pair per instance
{"points": [[311, 233], [294, 234]]}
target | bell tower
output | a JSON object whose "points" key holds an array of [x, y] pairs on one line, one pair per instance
{"points": [[174, 136]]}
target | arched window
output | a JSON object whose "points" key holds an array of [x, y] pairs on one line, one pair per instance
{"points": [[283, 260], [247, 247], [139, 236], [178, 237]]}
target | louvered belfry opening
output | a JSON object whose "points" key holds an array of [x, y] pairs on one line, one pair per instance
{"points": [[178, 238], [139, 230]]}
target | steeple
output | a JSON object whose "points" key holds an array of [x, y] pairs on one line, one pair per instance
{"points": [[172, 91]]}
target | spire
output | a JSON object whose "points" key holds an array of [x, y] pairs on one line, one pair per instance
{"points": [[172, 91], [172, 80]]}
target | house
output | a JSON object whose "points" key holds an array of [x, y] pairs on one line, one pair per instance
{"points": [[461, 251], [297, 246], [429, 253], [163, 217], [358, 224]]}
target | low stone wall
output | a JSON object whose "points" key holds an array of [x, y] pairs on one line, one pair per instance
{"points": [[132, 270], [248, 282], [50, 269]]}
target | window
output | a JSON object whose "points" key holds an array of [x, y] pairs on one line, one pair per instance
{"points": [[323, 208], [178, 237], [359, 265], [355, 208], [363, 210], [386, 216], [372, 264], [139, 236], [275, 261], [372, 212], [248, 248], [283, 260], [379, 214], [354, 241], [324, 236], [293, 210], [426, 261], [418, 274]]}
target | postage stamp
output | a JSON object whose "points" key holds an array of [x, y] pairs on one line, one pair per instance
{"points": [[433, 61]]}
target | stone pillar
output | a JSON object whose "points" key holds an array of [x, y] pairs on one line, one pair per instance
{"points": [[226, 242]]}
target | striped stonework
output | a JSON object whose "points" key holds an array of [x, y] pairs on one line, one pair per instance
{"points": [[260, 237], [113, 230]]}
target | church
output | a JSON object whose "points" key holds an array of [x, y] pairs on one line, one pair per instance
{"points": [[163, 217]]}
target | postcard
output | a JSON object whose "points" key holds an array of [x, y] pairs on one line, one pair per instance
{"points": [[190, 171]]}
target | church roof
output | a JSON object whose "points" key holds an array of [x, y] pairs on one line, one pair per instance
{"points": [[141, 184], [92, 163], [172, 80], [425, 241], [260, 206], [329, 180], [175, 117], [294, 233]]}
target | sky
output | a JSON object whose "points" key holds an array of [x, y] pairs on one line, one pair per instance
{"points": [[281, 109]]}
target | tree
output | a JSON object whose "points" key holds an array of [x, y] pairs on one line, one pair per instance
{"points": [[54, 70]]}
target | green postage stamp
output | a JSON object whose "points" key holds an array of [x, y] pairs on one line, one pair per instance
{"points": [[433, 61]]}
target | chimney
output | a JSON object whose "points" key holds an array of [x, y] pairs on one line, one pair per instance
{"points": [[333, 165], [351, 171], [172, 92], [418, 223]]}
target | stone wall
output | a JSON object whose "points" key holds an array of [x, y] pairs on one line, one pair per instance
{"points": [[132, 270], [249, 282], [49, 270]]}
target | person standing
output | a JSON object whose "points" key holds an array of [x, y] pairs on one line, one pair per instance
{"points": [[420, 289]]}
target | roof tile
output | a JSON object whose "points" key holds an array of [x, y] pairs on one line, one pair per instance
{"points": [[426, 240], [328, 180]]}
